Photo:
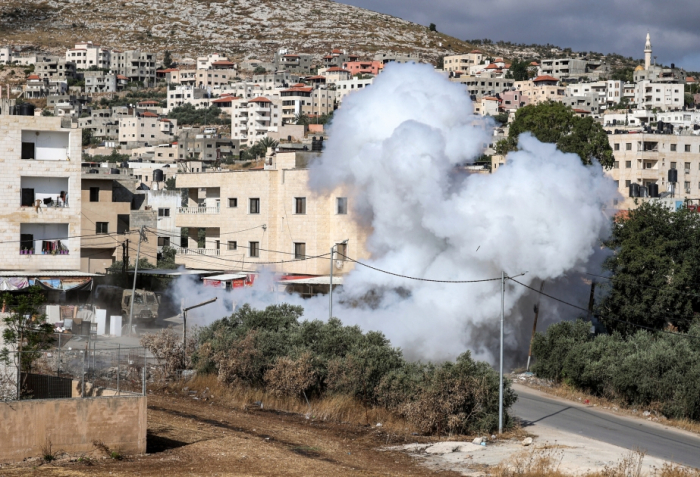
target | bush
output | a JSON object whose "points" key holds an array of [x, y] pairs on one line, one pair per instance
{"points": [[656, 370], [272, 349]]}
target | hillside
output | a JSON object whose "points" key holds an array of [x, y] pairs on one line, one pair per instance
{"points": [[239, 28]]}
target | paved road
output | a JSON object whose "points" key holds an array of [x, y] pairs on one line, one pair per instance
{"points": [[659, 441]]}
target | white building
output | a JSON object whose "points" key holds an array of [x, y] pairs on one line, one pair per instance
{"points": [[166, 203], [253, 119], [663, 96], [343, 88], [86, 55], [5, 55]]}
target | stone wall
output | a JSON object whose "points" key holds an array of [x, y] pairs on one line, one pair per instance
{"points": [[72, 425]]}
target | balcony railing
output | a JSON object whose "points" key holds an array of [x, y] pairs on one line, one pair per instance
{"points": [[197, 251], [198, 210]]}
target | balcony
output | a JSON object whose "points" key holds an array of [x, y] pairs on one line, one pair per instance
{"points": [[44, 239], [215, 252], [197, 210]]}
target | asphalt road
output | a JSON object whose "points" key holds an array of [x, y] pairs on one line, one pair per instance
{"points": [[628, 432]]}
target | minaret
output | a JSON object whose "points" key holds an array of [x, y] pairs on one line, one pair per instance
{"points": [[647, 53]]}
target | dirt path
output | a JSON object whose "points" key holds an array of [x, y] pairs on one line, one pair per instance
{"points": [[188, 437]]}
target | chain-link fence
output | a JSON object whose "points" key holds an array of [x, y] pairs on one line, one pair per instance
{"points": [[76, 371]]}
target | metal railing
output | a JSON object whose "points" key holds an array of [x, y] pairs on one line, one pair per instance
{"points": [[197, 251], [77, 372], [198, 210]]}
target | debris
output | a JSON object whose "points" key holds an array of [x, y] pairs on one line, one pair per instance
{"points": [[379, 424], [527, 441], [477, 441], [647, 414]]}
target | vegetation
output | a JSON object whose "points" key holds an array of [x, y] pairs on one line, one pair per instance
{"points": [[655, 270], [273, 350], [432, 27], [320, 119], [659, 371], [25, 329], [116, 267], [519, 70], [113, 157], [133, 97], [167, 59], [259, 70], [187, 114], [623, 74], [166, 259], [259, 149], [555, 123]]}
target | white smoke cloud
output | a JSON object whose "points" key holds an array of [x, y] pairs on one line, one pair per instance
{"points": [[395, 146]]}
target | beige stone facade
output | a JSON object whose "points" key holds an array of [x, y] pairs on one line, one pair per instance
{"points": [[48, 183], [646, 159], [455, 63], [271, 211]]}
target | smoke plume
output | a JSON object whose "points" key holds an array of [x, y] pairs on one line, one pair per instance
{"points": [[395, 147]]}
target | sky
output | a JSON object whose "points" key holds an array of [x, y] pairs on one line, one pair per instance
{"points": [[604, 26]]}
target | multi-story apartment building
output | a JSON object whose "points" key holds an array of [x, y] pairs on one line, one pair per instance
{"points": [[136, 65], [54, 68], [454, 63], [364, 67], [214, 78], [485, 85], [645, 159], [253, 119], [343, 88], [146, 128], [561, 68], [86, 55], [5, 55], [166, 203], [278, 79], [337, 58], [300, 63], [391, 57], [542, 88], [40, 197], [100, 82], [102, 123], [285, 220], [663, 96], [214, 60]]}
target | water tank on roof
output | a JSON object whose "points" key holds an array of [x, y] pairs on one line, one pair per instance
{"points": [[157, 175], [634, 189], [26, 109], [660, 125], [673, 175], [653, 190]]}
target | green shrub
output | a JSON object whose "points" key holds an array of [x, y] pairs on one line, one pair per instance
{"points": [[272, 349]]}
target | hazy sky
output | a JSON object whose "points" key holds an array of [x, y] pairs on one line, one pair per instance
{"points": [[605, 26]]}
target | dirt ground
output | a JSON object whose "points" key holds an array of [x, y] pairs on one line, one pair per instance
{"points": [[195, 437]]}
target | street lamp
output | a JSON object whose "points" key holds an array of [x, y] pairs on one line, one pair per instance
{"points": [[330, 289]]}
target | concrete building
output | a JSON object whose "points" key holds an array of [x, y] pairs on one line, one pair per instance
{"points": [[54, 68], [454, 63], [40, 197], [336, 58], [299, 63], [343, 88], [663, 96], [655, 73], [363, 67], [166, 203], [389, 57], [485, 85], [135, 65], [102, 123], [275, 80], [100, 82], [286, 220], [542, 88], [5, 55], [487, 106], [146, 128], [214, 78], [86, 55], [645, 159], [335, 74], [563, 68], [252, 119]]}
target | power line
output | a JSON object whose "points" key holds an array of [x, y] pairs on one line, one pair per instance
{"points": [[601, 316], [631, 281], [418, 278]]}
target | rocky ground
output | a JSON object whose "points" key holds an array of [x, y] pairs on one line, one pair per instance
{"points": [[240, 28]]}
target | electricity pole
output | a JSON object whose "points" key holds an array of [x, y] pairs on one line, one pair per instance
{"points": [[534, 326], [184, 324], [330, 288], [136, 270], [500, 378]]}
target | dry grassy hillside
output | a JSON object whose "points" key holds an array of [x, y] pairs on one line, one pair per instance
{"points": [[239, 28]]}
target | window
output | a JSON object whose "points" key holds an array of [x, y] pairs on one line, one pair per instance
{"points": [[232, 202], [163, 212], [673, 147], [617, 147], [299, 251], [101, 227], [254, 249], [232, 245], [687, 167], [687, 186], [27, 197], [673, 165], [254, 208], [300, 205], [628, 146], [617, 184], [28, 150], [342, 205], [616, 165], [687, 148], [94, 194], [627, 183], [628, 164], [164, 241]]}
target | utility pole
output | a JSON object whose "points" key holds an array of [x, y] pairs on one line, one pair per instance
{"points": [[133, 288], [184, 325], [500, 378], [591, 300], [330, 287], [534, 326]]}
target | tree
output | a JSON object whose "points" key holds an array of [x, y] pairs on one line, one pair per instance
{"points": [[170, 184], [167, 59], [440, 64], [432, 27], [556, 123], [655, 269], [26, 332], [167, 259], [144, 264], [87, 137], [301, 119], [259, 71], [623, 74], [688, 100], [518, 70], [502, 118]]}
